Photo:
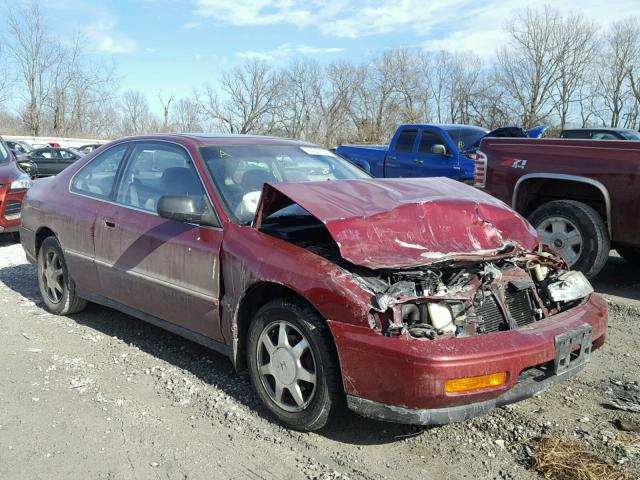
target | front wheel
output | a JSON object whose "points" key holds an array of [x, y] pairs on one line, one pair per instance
{"points": [[56, 286], [293, 364], [576, 231]]}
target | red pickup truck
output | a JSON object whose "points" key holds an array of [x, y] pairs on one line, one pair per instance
{"points": [[582, 196]]}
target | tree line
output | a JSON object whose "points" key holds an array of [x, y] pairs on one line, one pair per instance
{"points": [[553, 68]]}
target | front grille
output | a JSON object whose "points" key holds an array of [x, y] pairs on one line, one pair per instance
{"points": [[520, 309], [12, 208]]}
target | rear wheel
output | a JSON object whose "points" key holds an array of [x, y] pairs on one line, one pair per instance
{"points": [[56, 286], [293, 364], [630, 254], [576, 231]]}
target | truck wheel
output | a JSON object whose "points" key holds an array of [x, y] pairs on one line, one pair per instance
{"points": [[576, 231], [630, 254], [56, 286], [293, 364]]}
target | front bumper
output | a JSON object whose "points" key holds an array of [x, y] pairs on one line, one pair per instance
{"points": [[529, 383], [402, 378]]}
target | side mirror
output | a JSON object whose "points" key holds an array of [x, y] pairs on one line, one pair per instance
{"points": [[439, 149], [185, 209]]}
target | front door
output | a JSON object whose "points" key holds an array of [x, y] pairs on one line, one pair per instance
{"points": [[434, 165], [161, 267], [400, 159]]}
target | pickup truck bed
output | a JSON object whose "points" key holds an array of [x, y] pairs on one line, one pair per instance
{"points": [[581, 195]]}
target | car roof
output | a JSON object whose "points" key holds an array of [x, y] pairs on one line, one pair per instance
{"points": [[204, 139], [604, 129]]}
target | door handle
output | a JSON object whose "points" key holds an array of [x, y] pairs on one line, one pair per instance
{"points": [[391, 157], [418, 161], [109, 223]]}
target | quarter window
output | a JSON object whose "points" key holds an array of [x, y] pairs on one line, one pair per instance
{"points": [[155, 170], [98, 177]]}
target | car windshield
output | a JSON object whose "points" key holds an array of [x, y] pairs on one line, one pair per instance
{"points": [[4, 154], [466, 137], [240, 171], [631, 135]]}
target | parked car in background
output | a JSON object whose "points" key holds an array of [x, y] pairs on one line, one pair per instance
{"points": [[410, 300], [89, 148], [19, 148], [51, 161], [428, 151], [600, 134], [582, 197], [13, 185]]}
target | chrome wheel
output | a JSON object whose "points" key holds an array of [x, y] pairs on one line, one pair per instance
{"points": [[563, 236], [286, 366], [52, 276]]}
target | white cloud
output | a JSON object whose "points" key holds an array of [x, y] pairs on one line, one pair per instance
{"points": [[453, 24], [104, 37], [151, 50], [287, 50]]}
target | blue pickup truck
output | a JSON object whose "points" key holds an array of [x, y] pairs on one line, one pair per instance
{"points": [[428, 151]]}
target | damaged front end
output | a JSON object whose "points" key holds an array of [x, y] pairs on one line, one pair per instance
{"points": [[439, 259], [461, 300]]}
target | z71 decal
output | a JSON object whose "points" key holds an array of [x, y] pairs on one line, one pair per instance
{"points": [[514, 163]]}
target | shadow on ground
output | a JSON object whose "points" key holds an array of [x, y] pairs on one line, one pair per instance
{"points": [[619, 278], [205, 364]]}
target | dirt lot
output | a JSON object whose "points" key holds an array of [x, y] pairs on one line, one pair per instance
{"points": [[103, 395]]}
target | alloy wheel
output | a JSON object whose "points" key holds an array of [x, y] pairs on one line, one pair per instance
{"points": [[286, 366], [53, 276]]}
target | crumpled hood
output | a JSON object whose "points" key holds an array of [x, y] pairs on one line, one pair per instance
{"points": [[404, 222]]}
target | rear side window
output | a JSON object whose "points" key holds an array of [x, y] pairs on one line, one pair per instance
{"points": [[155, 170], [98, 177], [406, 139], [428, 140], [604, 136], [576, 134]]}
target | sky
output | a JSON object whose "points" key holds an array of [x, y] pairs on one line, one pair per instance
{"points": [[172, 46]]}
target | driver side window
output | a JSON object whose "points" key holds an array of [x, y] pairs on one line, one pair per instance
{"points": [[428, 140], [155, 170]]}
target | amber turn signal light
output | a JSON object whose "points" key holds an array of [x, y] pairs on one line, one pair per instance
{"points": [[465, 384]]}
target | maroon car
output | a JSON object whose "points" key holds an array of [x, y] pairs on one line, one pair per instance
{"points": [[14, 182], [411, 300]]}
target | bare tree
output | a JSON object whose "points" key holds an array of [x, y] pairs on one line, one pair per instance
{"points": [[249, 100], [528, 68], [620, 53], [297, 104], [166, 110], [185, 116], [35, 55], [577, 44], [136, 116]]}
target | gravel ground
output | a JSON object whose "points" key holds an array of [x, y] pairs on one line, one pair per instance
{"points": [[103, 395]]}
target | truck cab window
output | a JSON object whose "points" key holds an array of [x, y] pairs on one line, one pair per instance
{"points": [[406, 139]]}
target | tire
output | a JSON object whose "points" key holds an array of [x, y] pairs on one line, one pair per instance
{"points": [[316, 402], [56, 286], [582, 224], [630, 254]]}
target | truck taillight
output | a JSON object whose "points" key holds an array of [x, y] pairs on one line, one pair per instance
{"points": [[480, 178]]}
